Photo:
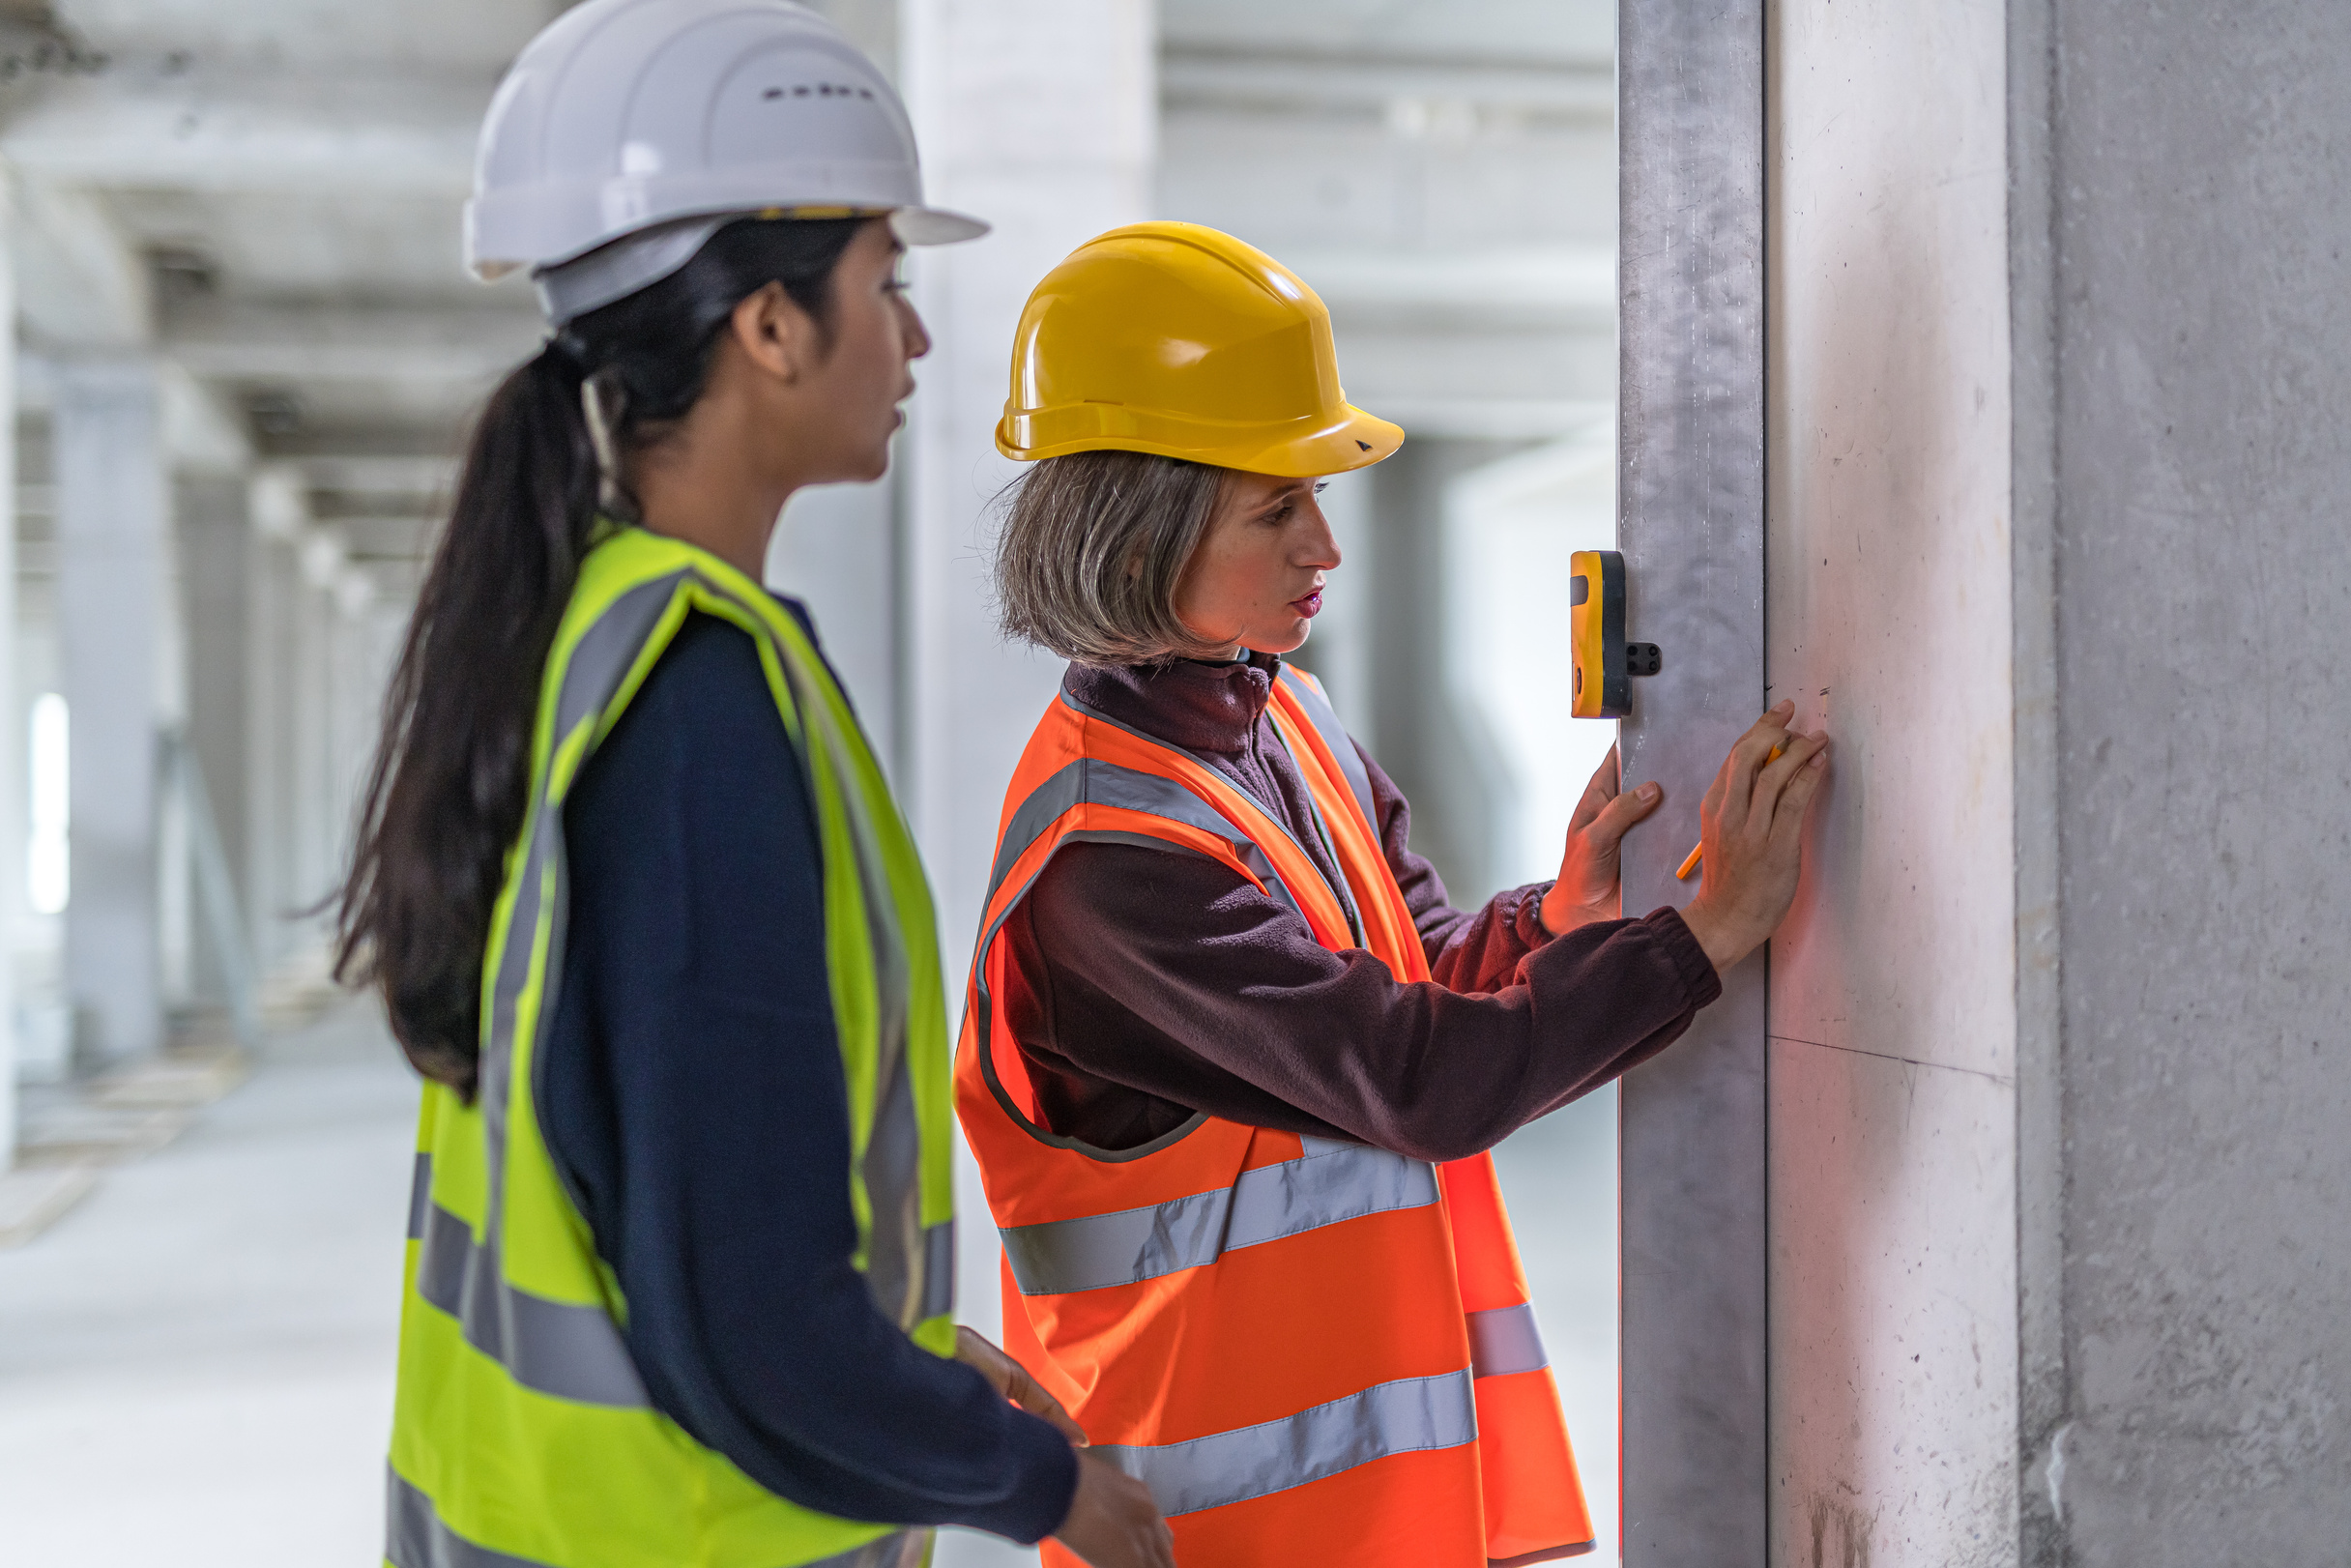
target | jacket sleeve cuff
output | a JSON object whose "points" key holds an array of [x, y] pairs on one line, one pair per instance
{"points": [[1690, 961], [1038, 1503], [1527, 916]]}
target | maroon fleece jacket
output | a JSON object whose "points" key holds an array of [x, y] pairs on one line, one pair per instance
{"points": [[1146, 984]]}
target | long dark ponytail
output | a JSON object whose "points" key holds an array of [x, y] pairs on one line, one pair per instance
{"points": [[447, 794]]}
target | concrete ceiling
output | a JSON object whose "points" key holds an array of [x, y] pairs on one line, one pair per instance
{"points": [[266, 192], [265, 195], [469, 37]]}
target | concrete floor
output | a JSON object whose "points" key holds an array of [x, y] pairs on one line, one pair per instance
{"points": [[195, 1364]]}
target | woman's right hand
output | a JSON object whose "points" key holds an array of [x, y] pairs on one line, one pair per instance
{"points": [[1751, 826], [1113, 1522]]}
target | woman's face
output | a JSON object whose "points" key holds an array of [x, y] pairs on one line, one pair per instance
{"points": [[1255, 579], [848, 409]]}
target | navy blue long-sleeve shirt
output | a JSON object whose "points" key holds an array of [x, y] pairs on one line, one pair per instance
{"points": [[694, 1100]]}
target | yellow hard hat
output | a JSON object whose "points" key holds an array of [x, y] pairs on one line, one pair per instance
{"points": [[1176, 340]]}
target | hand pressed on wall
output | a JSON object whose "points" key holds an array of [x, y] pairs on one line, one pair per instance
{"points": [[1589, 887], [1750, 826]]}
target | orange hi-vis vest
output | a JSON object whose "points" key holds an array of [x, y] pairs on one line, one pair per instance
{"points": [[1312, 1351]]}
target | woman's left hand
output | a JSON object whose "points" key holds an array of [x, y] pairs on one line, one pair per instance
{"points": [[1013, 1381], [1588, 888]]}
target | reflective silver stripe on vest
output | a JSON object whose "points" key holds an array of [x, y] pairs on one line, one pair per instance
{"points": [[1227, 829], [1402, 1418], [939, 1269], [598, 662], [420, 1196], [1331, 1183], [1091, 781], [567, 1351], [414, 1536], [557, 1348], [1505, 1340], [1325, 721], [899, 1248], [895, 1251]]}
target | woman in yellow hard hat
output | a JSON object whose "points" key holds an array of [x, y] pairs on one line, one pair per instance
{"points": [[1230, 1062]]}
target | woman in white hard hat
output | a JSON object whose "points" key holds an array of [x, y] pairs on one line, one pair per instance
{"points": [[1231, 1064], [637, 899]]}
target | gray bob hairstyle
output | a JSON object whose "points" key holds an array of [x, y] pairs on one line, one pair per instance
{"points": [[1093, 551]]}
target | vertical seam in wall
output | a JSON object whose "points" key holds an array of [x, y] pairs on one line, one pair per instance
{"points": [[1768, 237], [2034, 359]]}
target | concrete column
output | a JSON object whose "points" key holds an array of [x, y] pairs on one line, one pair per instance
{"points": [[1438, 751], [837, 551], [2183, 365], [2059, 1196], [1039, 116], [13, 820], [1894, 985], [355, 699], [310, 734], [113, 506], [217, 581], [279, 507], [175, 905], [1691, 1123]]}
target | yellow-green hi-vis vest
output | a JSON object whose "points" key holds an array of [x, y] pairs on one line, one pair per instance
{"points": [[522, 1437]]}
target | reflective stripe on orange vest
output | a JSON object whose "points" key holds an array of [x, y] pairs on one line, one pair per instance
{"points": [[1329, 1183], [1311, 1349], [1406, 1416]]}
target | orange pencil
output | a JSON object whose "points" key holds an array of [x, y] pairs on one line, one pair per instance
{"points": [[1697, 852]]}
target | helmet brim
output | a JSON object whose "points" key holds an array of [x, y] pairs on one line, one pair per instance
{"points": [[621, 266], [1354, 439], [934, 225]]}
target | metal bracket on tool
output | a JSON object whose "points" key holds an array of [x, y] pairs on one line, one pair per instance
{"points": [[1605, 662]]}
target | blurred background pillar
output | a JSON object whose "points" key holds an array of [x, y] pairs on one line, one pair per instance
{"points": [[216, 574], [11, 783], [1039, 116], [279, 507], [112, 512]]}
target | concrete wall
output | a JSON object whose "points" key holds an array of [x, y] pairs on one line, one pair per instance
{"points": [[2058, 1180], [2192, 353], [1893, 1276]]}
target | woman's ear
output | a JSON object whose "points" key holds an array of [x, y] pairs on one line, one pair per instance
{"points": [[776, 334]]}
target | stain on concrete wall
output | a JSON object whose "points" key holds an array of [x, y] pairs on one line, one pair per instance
{"points": [[1841, 1534], [1892, 1302]]}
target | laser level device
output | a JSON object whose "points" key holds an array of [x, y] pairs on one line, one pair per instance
{"points": [[1605, 662]]}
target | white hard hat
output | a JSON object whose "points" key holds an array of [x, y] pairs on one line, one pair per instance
{"points": [[655, 122]]}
